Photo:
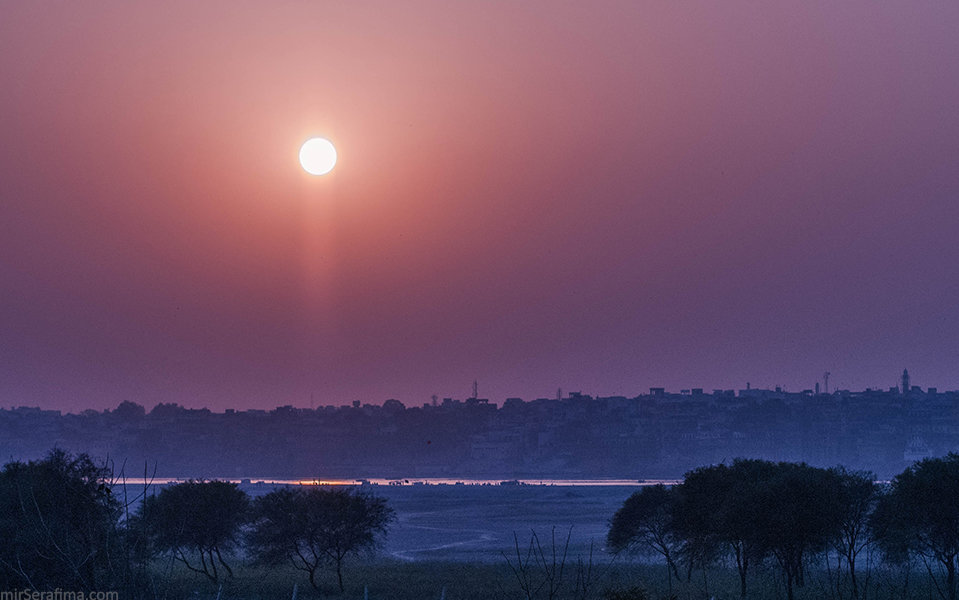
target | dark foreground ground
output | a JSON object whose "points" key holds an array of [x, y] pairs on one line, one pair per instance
{"points": [[435, 580]]}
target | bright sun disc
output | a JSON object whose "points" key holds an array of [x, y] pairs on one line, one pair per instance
{"points": [[317, 156]]}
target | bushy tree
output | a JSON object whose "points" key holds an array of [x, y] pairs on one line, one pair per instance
{"points": [[714, 513], [920, 516], [737, 522], [751, 510], [796, 516], [58, 523], [716, 510], [645, 524], [198, 522], [858, 494], [315, 526], [697, 513]]}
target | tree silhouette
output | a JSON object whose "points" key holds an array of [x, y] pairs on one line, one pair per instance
{"points": [[858, 494], [201, 518], [715, 513], [697, 514], [751, 510], [310, 527], [796, 516], [58, 520], [920, 515], [645, 524]]}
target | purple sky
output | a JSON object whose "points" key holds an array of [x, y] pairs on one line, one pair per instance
{"points": [[597, 197]]}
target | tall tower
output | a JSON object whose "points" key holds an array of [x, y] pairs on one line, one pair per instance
{"points": [[905, 381]]}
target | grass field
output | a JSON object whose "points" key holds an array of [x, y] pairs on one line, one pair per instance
{"points": [[382, 579]]}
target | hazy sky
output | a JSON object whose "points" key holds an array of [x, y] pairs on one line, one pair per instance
{"points": [[594, 196]]}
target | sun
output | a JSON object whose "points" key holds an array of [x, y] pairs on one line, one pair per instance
{"points": [[317, 156]]}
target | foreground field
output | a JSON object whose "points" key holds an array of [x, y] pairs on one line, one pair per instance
{"points": [[383, 579]]}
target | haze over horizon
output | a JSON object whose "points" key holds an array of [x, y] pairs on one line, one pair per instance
{"points": [[600, 198]]}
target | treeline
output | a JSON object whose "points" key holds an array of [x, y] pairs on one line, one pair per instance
{"points": [[64, 523], [794, 517]]}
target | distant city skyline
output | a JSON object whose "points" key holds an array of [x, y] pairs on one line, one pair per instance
{"points": [[534, 195], [905, 383], [651, 435]]}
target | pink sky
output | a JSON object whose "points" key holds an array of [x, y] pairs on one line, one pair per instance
{"points": [[598, 197]]}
